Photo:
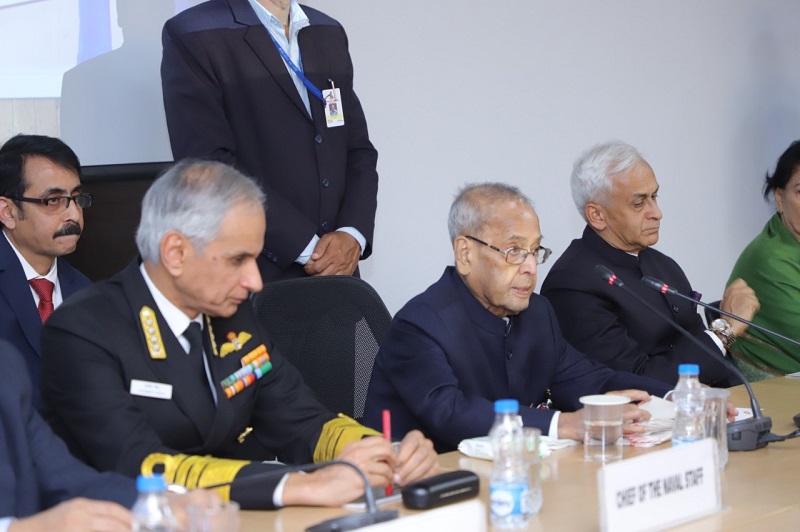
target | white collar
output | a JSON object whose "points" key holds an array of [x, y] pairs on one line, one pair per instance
{"points": [[175, 317], [30, 272], [297, 17]]}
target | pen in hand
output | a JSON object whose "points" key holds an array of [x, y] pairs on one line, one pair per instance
{"points": [[387, 435]]}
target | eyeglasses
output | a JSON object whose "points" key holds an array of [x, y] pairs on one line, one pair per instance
{"points": [[517, 256], [58, 204]]}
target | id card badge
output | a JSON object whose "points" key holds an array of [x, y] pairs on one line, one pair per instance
{"points": [[334, 114]]}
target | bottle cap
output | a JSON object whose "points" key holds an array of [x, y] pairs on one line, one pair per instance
{"points": [[506, 406], [688, 369], [150, 483]]}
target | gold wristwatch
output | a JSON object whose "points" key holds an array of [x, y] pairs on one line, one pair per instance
{"points": [[724, 330]]}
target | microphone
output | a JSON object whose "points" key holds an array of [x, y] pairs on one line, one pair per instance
{"points": [[346, 522], [664, 288], [743, 435]]}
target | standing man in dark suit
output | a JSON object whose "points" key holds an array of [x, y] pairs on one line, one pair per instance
{"points": [[267, 86], [164, 365], [480, 334], [616, 191], [41, 212]]}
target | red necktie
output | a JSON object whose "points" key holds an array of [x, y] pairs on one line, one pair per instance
{"points": [[43, 289]]}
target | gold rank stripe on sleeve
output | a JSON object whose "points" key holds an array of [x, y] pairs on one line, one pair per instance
{"points": [[193, 471], [152, 334], [337, 433]]}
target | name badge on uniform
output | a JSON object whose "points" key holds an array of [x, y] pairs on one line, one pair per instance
{"points": [[155, 390], [334, 113]]}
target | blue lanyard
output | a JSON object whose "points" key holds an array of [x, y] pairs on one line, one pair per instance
{"points": [[310, 86]]}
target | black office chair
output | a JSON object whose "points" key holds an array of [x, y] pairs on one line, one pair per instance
{"points": [[330, 329]]}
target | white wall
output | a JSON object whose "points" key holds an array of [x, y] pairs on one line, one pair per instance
{"points": [[462, 91]]}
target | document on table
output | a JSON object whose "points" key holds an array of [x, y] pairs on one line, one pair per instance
{"points": [[481, 447], [659, 426]]}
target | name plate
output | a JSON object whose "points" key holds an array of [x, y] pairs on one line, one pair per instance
{"points": [[660, 489]]}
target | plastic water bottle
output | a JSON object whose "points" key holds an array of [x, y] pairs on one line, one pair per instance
{"points": [[508, 484], [688, 399], [151, 511]]}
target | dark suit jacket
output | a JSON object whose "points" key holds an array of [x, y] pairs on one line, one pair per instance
{"points": [[36, 470], [20, 323], [446, 359], [610, 326], [229, 96], [95, 344]]}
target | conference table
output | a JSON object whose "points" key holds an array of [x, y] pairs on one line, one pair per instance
{"points": [[760, 488]]}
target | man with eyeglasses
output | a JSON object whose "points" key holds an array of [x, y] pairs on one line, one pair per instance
{"points": [[616, 192], [41, 211], [480, 334]]}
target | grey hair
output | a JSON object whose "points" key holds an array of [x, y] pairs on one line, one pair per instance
{"points": [[469, 212], [592, 172], [192, 197]]}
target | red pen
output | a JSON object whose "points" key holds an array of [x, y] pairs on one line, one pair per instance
{"points": [[387, 435]]}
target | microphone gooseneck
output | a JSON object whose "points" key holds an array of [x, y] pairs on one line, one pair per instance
{"points": [[664, 288], [743, 435]]}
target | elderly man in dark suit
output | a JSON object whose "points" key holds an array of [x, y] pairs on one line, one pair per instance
{"points": [[254, 83], [480, 334], [41, 212], [164, 365], [616, 192]]}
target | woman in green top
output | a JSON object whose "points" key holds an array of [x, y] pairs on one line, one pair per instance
{"points": [[771, 266]]}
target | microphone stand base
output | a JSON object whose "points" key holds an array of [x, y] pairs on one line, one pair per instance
{"points": [[354, 521], [749, 434]]}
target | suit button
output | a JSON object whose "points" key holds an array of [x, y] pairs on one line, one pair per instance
{"points": [[318, 139], [326, 183], [325, 226], [674, 308], [509, 354]]}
